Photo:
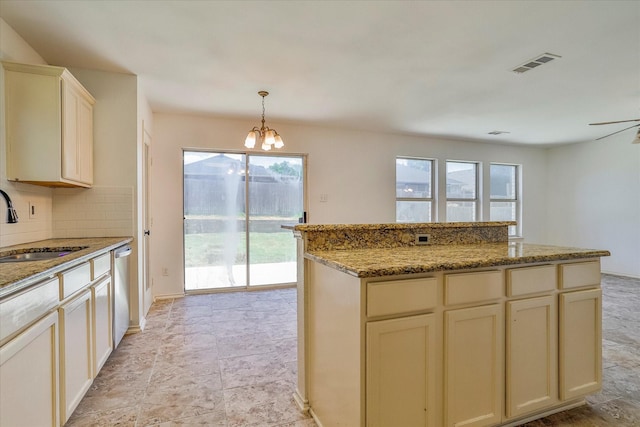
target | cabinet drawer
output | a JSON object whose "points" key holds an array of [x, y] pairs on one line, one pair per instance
{"points": [[18, 311], [75, 279], [579, 274], [531, 280], [401, 296], [100, 265], [466, 288]]}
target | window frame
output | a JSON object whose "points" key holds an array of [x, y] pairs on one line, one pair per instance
{"points": [[433, 190], [477, 201], [517, 200]]}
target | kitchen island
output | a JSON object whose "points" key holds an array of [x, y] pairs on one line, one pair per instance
{"points": [[443, 324]]}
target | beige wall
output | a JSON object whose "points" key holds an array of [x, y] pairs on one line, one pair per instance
{"points": [[111, 207], [594, 200], [567, 189], [355, 169], [14, 48]]}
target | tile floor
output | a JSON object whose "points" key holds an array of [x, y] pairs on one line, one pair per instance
{"points": [[229, 359]]}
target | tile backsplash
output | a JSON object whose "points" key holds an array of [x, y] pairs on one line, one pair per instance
{"points": [[95, 212], [30, 227]]}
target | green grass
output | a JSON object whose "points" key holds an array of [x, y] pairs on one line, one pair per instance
{"points": [[208, 248]]}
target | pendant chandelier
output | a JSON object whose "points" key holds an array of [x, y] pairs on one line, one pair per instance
{"points": [[266, 136]]}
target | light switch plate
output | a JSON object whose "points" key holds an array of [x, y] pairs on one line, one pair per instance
{"points": [[33, 211]]}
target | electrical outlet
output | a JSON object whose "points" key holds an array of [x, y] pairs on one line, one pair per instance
{"points": [[165, 271], [33, 211], [422, 239], [324, 198]]}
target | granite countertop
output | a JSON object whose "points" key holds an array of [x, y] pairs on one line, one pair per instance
{"points": [[377, 262], [15, 276], [396, 226]]}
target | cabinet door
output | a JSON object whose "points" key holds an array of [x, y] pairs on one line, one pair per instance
{"points": [[400, 372], [76, 352], [34, 355], [85, 143], [473, 366], [33, 127], [70, 137], [102, 326], [580, 343], [532, 350]]}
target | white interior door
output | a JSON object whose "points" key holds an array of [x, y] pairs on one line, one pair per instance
{"points": [[147, 295]]}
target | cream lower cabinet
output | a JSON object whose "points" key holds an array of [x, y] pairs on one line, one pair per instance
{"points": [[76, 352], [102, 336], [459, 349], [473, 366], [29, 376], [400, 370], [531, 355], [580, 343]]}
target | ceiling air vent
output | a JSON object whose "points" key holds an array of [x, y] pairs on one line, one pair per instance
{"points": [[533, 63]]}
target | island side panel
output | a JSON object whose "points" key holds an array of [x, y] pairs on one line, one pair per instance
{"points": [[335, 337], [301, 394]]}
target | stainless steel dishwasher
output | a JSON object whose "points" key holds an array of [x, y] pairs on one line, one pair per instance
{"points": [[121, 293]]}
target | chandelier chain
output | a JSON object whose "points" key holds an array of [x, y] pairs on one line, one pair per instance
{"points": [[262, 128]]}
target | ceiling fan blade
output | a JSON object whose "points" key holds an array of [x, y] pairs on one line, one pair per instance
{"points": [[610, 123], [602, 137]]}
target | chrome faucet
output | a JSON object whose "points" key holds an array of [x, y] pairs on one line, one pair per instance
{"points": [[12, 215]]}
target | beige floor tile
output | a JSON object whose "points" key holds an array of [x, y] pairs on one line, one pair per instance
{"points": [[176, 402], [250, 370], [229, 359]]}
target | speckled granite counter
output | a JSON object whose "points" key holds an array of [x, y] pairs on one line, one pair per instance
{"points": [[371, 250], [15, 276], [378, 262], [394, 235]]}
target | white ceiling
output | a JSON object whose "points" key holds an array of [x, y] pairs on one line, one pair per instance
{"points": [[440, 68]]}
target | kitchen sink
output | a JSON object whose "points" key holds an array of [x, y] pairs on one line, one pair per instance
{"points": [[38, 254]]}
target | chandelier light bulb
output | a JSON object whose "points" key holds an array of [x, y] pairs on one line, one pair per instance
{"points": [[250, 142], [265, 146], [279, 143], [270, 137]]}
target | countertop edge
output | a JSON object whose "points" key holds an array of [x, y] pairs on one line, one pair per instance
{"points": [[459, 265]]}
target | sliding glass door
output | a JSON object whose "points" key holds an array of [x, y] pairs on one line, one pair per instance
{"points": [[232, 219]]}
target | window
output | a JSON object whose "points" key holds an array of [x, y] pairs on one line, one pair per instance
{"points": [[418, 198], [462, 191], [504, 200], [414, 190]]}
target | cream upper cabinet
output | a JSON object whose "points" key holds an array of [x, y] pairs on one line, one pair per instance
{"points": [[49, 126], [400, 366]]}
